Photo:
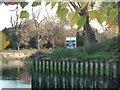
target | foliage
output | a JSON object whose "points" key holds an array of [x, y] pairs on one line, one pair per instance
{"points": [[105, 50], [33, 42], [108, 45], [110, 13], [23, 4], [24, 14], [97, 56], [62, 11], [79, 41], [37, 56], [52, 34], [4, 42], [4, 60], [64, 53]]}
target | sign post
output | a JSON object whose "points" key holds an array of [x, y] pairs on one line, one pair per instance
{"points": [[71, 42]]}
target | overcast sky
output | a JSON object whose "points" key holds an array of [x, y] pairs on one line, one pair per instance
{"points": [[6, 14]]}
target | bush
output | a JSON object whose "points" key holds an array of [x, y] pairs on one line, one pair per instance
{"points": [[105, 50], [62, 53], [97, 56], [37, 56], [108, 45]]}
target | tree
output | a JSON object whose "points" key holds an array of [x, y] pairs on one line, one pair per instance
{"points": [[119, 17], [79, 13], [14, 37], [52, 34], [35, 17], [22, 36], [82, 16], [16, 20]]}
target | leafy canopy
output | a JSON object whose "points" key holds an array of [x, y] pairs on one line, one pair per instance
{"points": [[63, 11]]}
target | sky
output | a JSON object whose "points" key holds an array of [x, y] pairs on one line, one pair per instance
{"points": [[6, 14]]}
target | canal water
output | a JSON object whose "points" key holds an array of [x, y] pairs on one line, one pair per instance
{"points": [[14, 75], [75, 74]]}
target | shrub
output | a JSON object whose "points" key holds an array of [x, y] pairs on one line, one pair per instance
{"points": [[62, 53], [37, 56], [97, 56], [108, 45]]}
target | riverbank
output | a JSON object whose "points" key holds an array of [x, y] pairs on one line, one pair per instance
{"points": [[16, 54]]}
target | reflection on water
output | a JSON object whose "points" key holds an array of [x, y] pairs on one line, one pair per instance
{"points": [[61, 74], [52, 80], [14, 75]]}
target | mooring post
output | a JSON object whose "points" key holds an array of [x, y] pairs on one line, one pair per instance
{"points": [[51, 65], [81, 68], [55, 64], [33, 75], [63, 67], [118, 74]]}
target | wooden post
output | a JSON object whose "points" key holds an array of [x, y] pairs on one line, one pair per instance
{"points": [[95, 73], [81, 68], [33, 74], [86, 68], [64, 75], [55, 66], [67, 69], [63, 67], [43, 65], [118, 74], [51, 66], [37, 73]]}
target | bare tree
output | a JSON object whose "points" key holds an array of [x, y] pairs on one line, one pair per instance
{"points": [[16, 24], [35, 17]]}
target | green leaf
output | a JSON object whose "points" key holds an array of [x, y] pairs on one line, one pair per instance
{"points": [[108, 11], [4, 60], [73, 18], [64, 5], [113, 14], [101, 18], [34, 4], [47, 3], [24, 14], [81, 22], [61, 12], [23, 4], [53, 4], [83, 5], [4, 42], [93, 14]]}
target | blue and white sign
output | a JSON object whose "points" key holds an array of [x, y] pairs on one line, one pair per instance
{"points": [[71, 42]]}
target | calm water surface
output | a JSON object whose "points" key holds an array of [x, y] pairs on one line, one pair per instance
{"points": [[14, 75]]}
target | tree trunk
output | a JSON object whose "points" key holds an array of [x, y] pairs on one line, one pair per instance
{"points": [[88, 32], [38, 47], [119, 17]]}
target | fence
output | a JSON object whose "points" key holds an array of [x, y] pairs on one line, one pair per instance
{"points": [[75, 74]]}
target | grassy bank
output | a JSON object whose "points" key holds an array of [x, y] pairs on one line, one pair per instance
{"points": [[106, 50]]}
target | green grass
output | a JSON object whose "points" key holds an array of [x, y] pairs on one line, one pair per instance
{"points": [[97, 56], [64, 53]]}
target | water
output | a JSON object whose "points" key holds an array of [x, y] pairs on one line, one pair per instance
{"points": [[14, 75], [49, 74], [75, 74]]}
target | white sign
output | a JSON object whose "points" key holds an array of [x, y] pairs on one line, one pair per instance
{"points": [[71, 42]]}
